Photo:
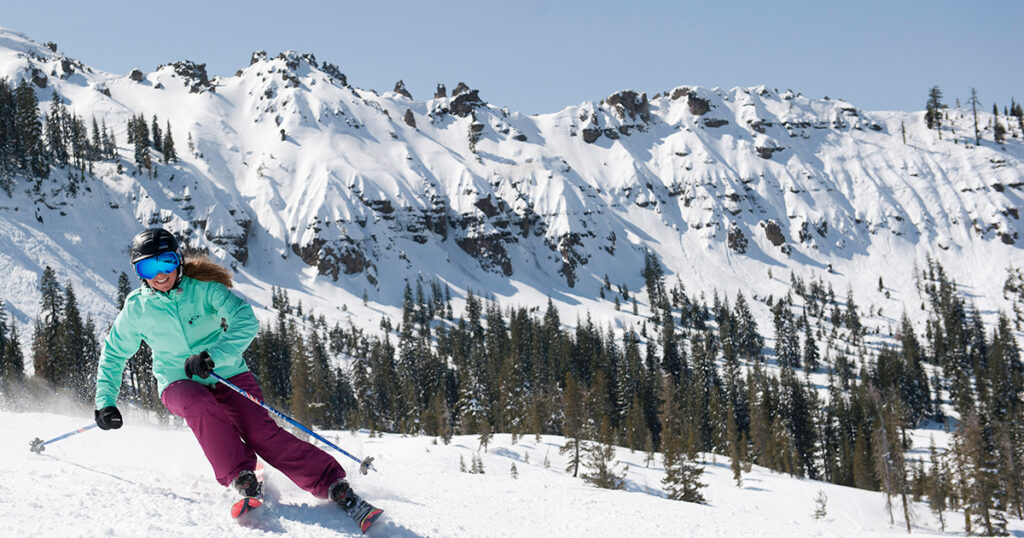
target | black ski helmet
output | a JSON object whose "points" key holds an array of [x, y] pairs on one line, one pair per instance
{"points": [[151, 242]]}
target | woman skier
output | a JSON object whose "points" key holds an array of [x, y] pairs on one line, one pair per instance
{"points": [[194, 326]]}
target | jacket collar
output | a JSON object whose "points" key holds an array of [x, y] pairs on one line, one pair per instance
{"points": [[177, 290]]}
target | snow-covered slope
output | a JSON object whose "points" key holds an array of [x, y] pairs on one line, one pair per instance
{"points": [[302, 181], [145, 480]]}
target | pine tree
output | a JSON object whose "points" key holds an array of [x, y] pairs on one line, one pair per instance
{"points": [[55, 131], [139, 137], [821, 505], [477, 465], [890, 464], [863, 468], [975, 103], [47, 328], [672, 360], [973, 444], [682, 477], [7, 373], [300, 374], [600, 460], [96, 142], [736, 447], [798, 406], [998, 131], [343, 404], [485, 435], [748, 340], [653, 275], [938, 484], [73, 353], [572, 424], [109, 148], [811, 354], [1011, 475], [787, 340], [85, 382], [12, 363], [170, 154], [440, 420], [157, 135], [933, 110], [32, 154], [322, 381]]}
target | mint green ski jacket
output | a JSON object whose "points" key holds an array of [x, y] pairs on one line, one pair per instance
{"points": [[177, 324]]}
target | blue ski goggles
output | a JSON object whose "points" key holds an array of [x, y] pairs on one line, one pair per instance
{"points": [[161, 263]]}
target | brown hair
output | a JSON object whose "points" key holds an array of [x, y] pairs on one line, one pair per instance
{"points": [[200, 267]]}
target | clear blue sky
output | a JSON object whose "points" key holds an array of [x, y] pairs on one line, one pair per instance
{"points": [[540, 56]]}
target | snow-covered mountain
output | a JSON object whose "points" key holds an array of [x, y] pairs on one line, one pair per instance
{"points": [[301, 180]]}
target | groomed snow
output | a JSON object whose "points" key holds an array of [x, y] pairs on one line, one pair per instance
{"points": [[149, 480]]}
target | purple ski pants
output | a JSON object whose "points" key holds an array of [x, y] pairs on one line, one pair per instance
{"points": [[232, 431]]}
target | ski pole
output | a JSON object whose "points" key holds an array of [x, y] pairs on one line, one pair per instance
{"points": [[364, 464], [37, 445]]}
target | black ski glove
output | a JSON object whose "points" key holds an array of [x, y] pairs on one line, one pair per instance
{"points": [[199, 365], [109, 418]]}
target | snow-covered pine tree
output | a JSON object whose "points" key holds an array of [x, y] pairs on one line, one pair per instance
{"points": [[157, 134], [170, 153], [821, 505], [600, 460]]}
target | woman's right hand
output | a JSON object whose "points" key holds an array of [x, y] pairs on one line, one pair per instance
{"points": [[109, 418], [199, 365]]}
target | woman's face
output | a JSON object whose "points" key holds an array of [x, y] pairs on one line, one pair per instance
{"points": [[163, 281]]}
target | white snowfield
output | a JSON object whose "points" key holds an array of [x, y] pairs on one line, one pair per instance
{"points": [[149, 480]]}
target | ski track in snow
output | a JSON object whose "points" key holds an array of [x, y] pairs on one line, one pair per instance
{"points": [[150, 480]]}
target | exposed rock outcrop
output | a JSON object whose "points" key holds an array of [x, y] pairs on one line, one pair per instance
{"points": [[194, 74], [766, 152], [627, 102], [465, 102], [400, 89], [698, 106], [335, 73], [773, 232], [489, 250], [736, 239]]}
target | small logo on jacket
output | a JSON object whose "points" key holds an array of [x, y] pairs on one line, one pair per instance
{"points": [[193, 318]]}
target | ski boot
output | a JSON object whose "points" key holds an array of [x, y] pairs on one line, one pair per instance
{"points": [[362, 512], [250, 488]]}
